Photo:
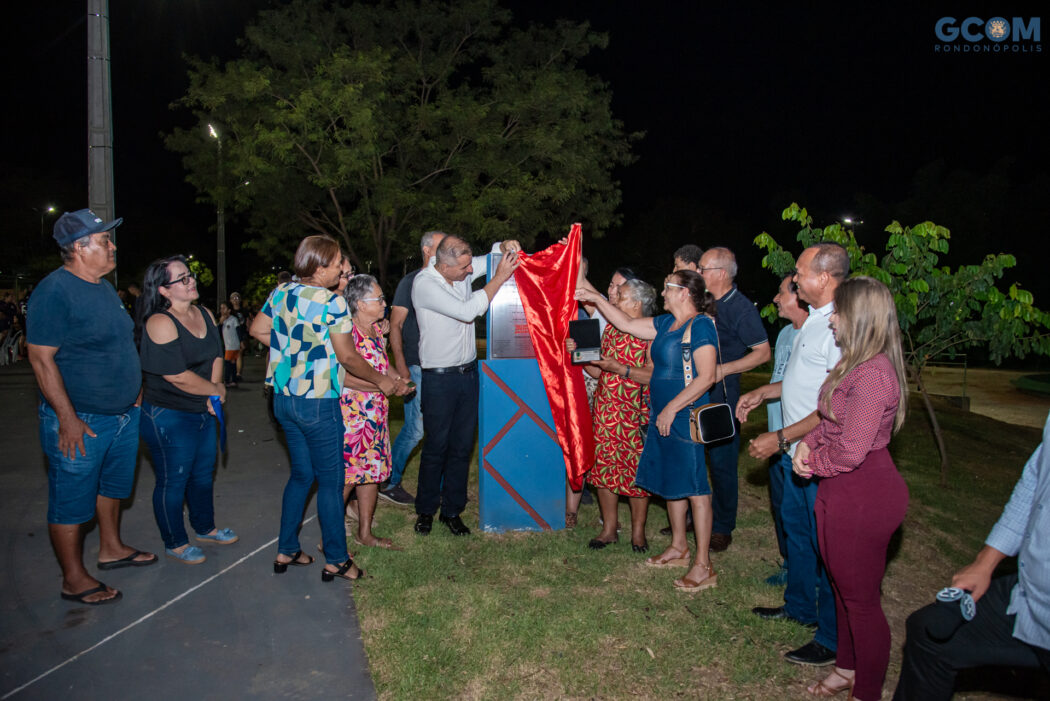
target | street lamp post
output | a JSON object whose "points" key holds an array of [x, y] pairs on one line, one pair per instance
{"points": [[43, 212], [220, 226]]}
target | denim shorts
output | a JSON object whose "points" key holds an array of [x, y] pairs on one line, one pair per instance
{"points": [[108, 468]]}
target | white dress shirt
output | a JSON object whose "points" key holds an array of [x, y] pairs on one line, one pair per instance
{"points": [[813, 354], [445, 313]]}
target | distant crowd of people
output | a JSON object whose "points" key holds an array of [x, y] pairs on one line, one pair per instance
{"points": [[837, 395]]}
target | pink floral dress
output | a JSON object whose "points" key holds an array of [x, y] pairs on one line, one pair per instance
{"points": [[366, 440]]}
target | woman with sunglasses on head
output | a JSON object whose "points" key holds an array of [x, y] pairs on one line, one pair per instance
{"points": [[672, 465], [309, 332], [861, 498], [182, 366]]}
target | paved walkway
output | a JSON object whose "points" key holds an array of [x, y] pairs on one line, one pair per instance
{"points": [[226, 629], [991, 393]]}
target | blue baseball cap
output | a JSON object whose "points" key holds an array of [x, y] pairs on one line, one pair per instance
{"points": [[83, 222]]}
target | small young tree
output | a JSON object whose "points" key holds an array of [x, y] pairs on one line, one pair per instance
{"points": [[941, 312]]}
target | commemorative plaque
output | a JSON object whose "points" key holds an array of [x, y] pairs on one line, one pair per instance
{"points": [[508, 331]]}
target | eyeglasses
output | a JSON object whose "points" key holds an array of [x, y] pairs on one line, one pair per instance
{"points": [[185, 280], [674, 284], [380, 298]]}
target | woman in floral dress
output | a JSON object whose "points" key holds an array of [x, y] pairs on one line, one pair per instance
{"points": [[366, 441], [621, 416]]}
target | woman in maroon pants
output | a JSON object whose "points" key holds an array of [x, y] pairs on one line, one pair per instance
{"points": [[862, 498]]}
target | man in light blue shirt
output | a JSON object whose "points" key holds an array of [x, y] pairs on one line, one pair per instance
{"points": [[1012, 625], [788, 307]]}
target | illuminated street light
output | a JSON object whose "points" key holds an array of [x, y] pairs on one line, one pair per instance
{"points": [[49, 209]]}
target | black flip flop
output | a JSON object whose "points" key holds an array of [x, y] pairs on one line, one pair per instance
{"points": [[128, 561], [80, 598]]}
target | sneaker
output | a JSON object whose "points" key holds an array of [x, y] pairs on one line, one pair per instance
{"points": [[396, 494], [812, 654]]}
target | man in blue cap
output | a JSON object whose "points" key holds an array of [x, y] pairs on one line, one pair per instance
{"points": [[84, 358]]}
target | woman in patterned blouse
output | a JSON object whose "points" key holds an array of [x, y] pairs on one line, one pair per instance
{"points": [[861, 499], [308, 330]]}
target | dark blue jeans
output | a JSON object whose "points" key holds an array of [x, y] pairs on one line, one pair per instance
{"points": [[722, 460], [450, 416], [182, 445], [313, 429], [777, 475], [808, 595]]}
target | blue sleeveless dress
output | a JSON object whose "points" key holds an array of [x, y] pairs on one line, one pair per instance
{"points": [[673, 466]]}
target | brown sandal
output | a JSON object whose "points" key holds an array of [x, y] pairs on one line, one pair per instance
{"points": [[824, 691], [688, 585], [570, 519], [665, 560]]}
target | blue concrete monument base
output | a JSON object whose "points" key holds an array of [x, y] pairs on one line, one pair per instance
{"points": [[521, 467]]}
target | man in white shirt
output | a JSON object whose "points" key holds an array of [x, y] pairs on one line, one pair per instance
{"points": [[808, 598], [445, 311]]}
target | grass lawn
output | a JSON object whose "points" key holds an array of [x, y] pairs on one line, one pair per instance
{"points": [[538, 615]]}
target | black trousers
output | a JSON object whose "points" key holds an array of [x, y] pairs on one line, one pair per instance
{"points": [[929, 667], [450, 417]]}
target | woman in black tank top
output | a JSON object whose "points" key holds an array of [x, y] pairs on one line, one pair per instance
{"points": [[182, 366]]}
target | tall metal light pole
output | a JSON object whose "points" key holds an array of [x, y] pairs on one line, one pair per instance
{"points": [[100, 115], [220, 226], [43, 212]]}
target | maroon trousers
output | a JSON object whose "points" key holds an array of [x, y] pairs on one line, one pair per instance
{"points": [[857, 513]]}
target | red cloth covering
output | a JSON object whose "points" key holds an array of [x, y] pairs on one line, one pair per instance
{"points": [[546, 282]]}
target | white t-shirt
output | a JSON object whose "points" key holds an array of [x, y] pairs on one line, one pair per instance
{"points": [[813, 354], [230, 339]]}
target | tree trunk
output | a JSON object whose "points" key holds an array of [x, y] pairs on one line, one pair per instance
{"points": [[917, 376]]}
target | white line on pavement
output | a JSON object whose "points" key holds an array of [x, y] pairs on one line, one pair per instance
{"points": [[148, 615]]}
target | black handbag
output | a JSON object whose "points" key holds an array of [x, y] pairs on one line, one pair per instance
{"points": [[712, 422]]}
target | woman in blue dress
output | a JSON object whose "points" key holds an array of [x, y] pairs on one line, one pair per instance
{"points": [[672, 465]]}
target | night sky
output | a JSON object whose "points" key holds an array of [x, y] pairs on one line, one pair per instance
{"points": [[847, 110]]}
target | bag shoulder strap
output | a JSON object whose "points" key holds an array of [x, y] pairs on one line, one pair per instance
{"points": [[687, 353]]}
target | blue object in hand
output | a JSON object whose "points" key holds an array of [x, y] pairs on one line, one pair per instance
{"points": [[954, 607], [216, 405]]}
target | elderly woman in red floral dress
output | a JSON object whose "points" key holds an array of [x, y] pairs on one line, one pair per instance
{"points": [[621, 417], [366, 441]]}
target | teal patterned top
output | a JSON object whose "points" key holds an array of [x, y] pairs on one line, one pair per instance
{"points": [[302, 362]]}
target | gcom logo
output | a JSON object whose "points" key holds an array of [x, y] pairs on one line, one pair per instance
{"points": [[1015, 35]]}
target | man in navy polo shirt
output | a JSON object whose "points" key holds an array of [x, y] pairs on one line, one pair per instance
{"points": [[404, 343], [84, 358], [743, 346]]}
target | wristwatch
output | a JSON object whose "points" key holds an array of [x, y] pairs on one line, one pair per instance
{"points": [[784, 443]]}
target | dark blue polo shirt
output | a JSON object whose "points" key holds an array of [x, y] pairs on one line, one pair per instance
{"points": [[739, 328]]}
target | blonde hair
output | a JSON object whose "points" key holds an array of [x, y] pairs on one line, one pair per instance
{"points": [[867, 325]]}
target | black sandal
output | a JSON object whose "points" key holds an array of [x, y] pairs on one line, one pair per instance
{"points": [[327, 576], [282, 567], [643, 548]]}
